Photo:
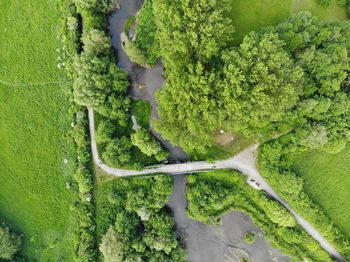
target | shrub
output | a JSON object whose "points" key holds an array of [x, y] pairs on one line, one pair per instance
{"points": [[111, 246], [9, 243], [134, 54], [250, 237]]}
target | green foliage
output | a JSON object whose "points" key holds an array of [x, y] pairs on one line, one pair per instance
{"points": [[208, 199], [104, 131], [278, 214], [134, 53], [250, 237], [207, 202], [148, 145], [112, 246], [99, 6], [142, 112], [276, 158], [128, 24], [190, 47], [146, 33], [9, 243], [261, 84], [286, 77], [324, 2], [159, 234], [117, 151], [98, 82], [134, 208]]}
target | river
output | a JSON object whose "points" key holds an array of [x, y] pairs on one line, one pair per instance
{"points": [[203, 243]]}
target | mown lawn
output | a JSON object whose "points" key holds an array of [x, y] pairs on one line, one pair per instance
{"points": [[327, 181], [34, 200], [252, 15]]}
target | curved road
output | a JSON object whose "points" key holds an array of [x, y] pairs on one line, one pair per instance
{"points": [[244, 162]]}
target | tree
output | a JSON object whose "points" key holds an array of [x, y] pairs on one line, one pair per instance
{"points": [[96, 42], [104, 131], [159, 234], [9, 243], [261, 83], [190, 47], [117, 151], [148, 145], [278, 214], [102, 6], [112, 246]]}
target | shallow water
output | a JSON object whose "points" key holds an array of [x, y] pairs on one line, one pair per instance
{"points": [[221, 243], [144, 82]]}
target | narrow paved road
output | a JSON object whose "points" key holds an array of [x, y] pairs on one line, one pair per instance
{"points": [[244, 162]]}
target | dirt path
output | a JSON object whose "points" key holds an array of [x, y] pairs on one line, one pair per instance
{"points": [[27, 84]]}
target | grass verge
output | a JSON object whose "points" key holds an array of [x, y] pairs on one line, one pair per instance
{"points": [[327, 182]]}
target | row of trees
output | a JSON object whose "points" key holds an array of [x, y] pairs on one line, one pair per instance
{"points": [[210, 195], [269, 85], [98, 83], [136, 225], [10, 243]]}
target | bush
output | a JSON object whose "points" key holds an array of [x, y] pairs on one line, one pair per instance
{"points": [[324, 2], [146, 33], [148, 145], [134, 53], [250, 237], [9, 243], [112, 246]]}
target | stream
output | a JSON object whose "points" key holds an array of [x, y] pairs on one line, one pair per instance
{"points": [[203, 243], [144, 82]]}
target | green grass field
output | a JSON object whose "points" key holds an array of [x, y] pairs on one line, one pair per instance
{"points": [[252, 15], [34, 200], [327, 181]]}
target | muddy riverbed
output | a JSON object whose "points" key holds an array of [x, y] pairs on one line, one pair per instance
{"points": [[221, 243]]}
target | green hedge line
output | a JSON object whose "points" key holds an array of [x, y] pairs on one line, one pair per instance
{"points": [[275, 160], [212, 194]]}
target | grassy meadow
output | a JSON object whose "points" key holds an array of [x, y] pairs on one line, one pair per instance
{"points": [[252, 15], [327, 182], [34, 200]]}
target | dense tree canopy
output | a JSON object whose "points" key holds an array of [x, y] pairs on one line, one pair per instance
{"points": [[190, 47], [139, 227], [261, 83], [111, 246], [291, 77], [99, 83], [118, 151]]}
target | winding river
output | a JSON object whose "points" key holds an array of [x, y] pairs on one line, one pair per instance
{"points": [[203, 243]]}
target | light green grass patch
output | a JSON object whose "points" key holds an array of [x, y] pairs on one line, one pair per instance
{"points": [[327, 182], [252, 15], [28, 41], [333, 12], [34, 120], [142, 111]]}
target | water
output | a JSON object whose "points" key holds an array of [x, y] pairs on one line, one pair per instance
{"points": [[220, 243], [144, 82]]}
